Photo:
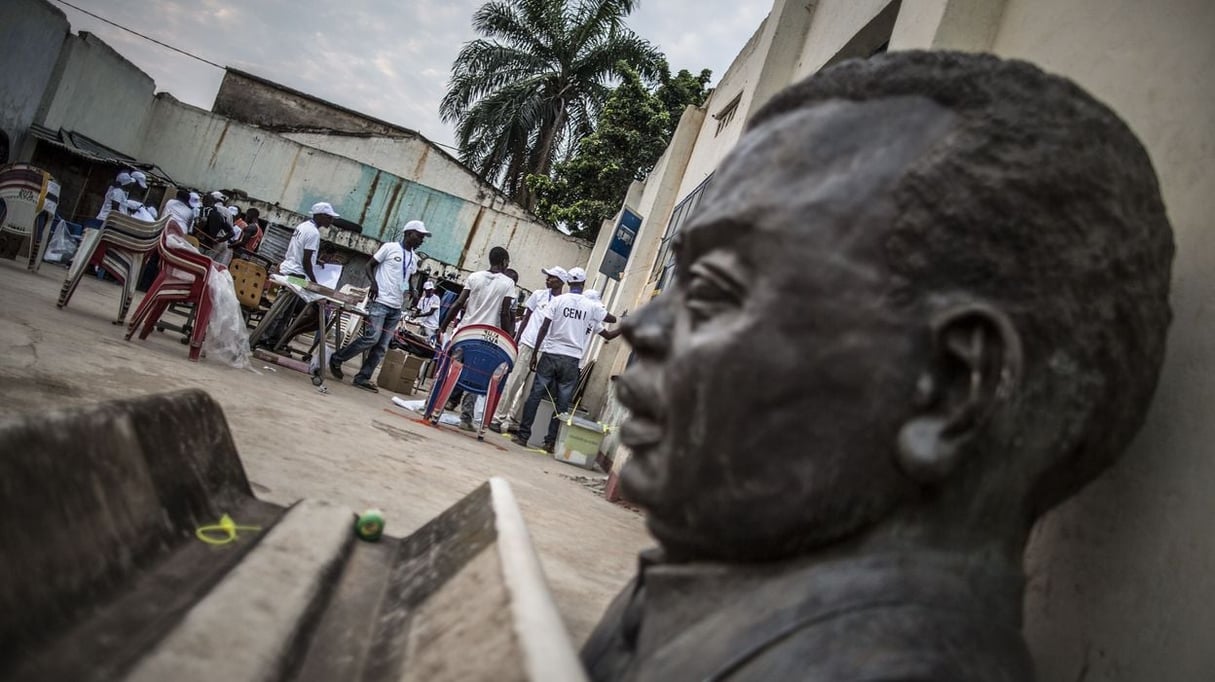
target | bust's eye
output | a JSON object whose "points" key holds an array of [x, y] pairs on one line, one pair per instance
{"points": [[707, 298]]}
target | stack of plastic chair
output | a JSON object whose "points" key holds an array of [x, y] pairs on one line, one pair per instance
{"points": [[120, 248], [250, 281], [184, 277], [477, 361], [29, 197]]}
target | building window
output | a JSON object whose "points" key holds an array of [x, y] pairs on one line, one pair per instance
{"points": [[664, 265], [727, 114]]}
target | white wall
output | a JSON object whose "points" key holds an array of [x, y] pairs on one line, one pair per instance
{"points": [[205, 150], [98, 93], [31, 34], [1124, 574], [742, 77]]}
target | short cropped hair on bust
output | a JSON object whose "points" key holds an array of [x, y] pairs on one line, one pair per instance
{"points": [[1042, 202]]}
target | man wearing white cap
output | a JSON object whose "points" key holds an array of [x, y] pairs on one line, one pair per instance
{"points": [[305, 241], [412, 235], [216, 225], [116, 196], [518, 384], [570, 320], [428, 311], [301, 251], [386, 270]]}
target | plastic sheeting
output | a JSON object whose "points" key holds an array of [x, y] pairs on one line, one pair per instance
{"points": [[227, 336]]}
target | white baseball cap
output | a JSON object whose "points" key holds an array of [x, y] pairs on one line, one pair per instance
{"points": [[558, 272], [429, 285], [591, 294], [124, 178], [139, 177], [415, 226], [195, 200], [218, 195], [577, 275], [232, 210], [323, 208]]}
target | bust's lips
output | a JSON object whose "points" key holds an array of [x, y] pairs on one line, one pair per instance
{"points": [[645, 426]]}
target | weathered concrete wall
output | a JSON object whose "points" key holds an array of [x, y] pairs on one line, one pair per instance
{"points": [[248, 99], [1123, 575], [95, 91], [31, 35], [415, 159], [207, 150]]}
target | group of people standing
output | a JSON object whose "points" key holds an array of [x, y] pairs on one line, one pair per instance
{"points": [[220, 228], [552, 337]]}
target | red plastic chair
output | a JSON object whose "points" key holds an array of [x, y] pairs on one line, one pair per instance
{"points": [[184, 276]]}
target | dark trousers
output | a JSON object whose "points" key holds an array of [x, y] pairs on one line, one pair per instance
{"points": [[556, 377]]}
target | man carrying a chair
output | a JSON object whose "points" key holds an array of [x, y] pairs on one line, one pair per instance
{"points": [[387, 272]]}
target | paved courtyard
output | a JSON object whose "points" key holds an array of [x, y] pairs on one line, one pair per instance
{"points": [[348, 446]]}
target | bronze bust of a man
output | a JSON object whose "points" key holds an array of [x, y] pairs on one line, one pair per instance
{"points": [[923, 301]]}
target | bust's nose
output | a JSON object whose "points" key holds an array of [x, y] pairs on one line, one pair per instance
{"points": [[649, 329]]}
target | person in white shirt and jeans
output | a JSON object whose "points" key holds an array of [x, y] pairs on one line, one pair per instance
{"points": [[518, 384], [428, 311], [386, 270], [570, 321]]}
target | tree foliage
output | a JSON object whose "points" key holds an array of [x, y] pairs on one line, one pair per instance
{"points": [[536, 81], [631, 134]]}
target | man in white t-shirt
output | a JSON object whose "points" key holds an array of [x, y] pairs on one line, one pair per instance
{"points": [[518, 384], [305, 241], [297, 262], [428, 311], [116, 196], [412, 236], [386, 270], [486, 299], [180, 210], [570, 321]]}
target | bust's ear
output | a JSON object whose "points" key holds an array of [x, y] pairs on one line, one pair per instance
{"points": [[975, 363]]}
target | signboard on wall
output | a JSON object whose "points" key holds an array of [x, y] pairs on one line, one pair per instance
{"points": [[621, 246]]}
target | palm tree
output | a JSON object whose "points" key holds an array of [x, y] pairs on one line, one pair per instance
{"points": [[534, 84]]}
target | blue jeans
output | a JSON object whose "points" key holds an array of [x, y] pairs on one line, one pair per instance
{"points": [[379, 329], [556, 377]]}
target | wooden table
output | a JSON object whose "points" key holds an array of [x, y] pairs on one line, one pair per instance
{"points": [[328, 304]]}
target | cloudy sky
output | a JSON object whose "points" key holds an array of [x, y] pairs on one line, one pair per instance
{"points": [[388, 58]]}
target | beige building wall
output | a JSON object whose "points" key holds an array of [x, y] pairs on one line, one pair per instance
{"points": [[1123, 576], [1120, 577]]}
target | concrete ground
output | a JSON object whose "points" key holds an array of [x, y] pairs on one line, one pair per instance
{"points": [[348, 446]]}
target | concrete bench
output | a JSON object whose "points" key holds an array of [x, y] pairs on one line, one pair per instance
{"points": [[104, 577]]}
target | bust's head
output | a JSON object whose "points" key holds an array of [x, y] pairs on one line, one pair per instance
{"points": [[925, 288]]}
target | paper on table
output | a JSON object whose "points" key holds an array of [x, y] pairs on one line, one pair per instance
{"points": [[328, 275]]}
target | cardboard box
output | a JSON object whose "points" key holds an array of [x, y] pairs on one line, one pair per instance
{"points": [[390, 371]]}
